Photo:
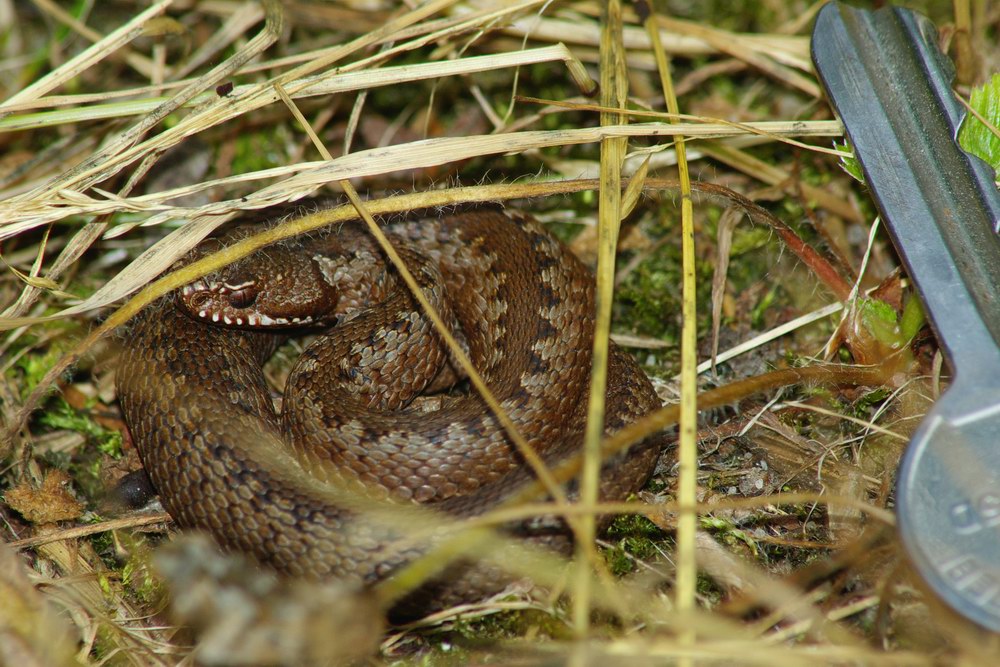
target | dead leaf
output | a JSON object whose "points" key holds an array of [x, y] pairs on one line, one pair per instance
{"points": [[49, 504]]}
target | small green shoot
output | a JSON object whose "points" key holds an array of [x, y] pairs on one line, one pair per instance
{"points": [[850, 164], [881, 321]]}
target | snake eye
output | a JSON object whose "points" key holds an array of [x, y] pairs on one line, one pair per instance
{"points": [[243, 297]]}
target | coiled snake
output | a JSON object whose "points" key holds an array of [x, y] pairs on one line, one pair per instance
{"points": [[196, 402]]}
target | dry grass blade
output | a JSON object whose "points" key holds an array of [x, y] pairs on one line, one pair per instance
{"points": [[755, 54], [674, 118], [121, 152], [140, 63], [614, 93], [88, 58], [687, 452], [22, 216], [244, 99], [31, 631]]}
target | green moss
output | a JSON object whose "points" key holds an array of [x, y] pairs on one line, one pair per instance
{"points": [[461, 641], [709, 590], [61, 416], [510, 625], [649, 300], [864, 405], [85, 465], [635, 537], [261, 150], [39, 350], [139, 577], [103, 542], [33, 368]]}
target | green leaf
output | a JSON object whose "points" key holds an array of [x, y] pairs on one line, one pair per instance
{"points": [[976, 137], [913, 318]]}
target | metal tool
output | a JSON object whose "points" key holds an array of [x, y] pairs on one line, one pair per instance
{"points": [[891, 88]]}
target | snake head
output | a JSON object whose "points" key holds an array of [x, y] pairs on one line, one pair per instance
{"points": [[274, 291]]}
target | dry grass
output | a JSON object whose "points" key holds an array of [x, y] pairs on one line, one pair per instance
{"points": [[130, 133]]}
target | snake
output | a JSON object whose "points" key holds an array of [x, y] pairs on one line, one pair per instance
{"points": [[376, 397]]}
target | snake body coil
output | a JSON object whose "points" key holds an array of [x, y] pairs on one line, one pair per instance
{"points": [[195, 398]]}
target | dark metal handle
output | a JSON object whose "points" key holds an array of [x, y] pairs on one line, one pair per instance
{"points": [[883, 71], [892, 88]]}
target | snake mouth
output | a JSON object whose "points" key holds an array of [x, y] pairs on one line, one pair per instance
{"points": [[251, 319], [232, 305]]}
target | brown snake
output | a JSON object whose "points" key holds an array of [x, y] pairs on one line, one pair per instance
{"points": [[199, 410]]}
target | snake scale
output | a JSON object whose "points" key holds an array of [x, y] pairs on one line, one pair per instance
{"points": [[195, 398]]}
